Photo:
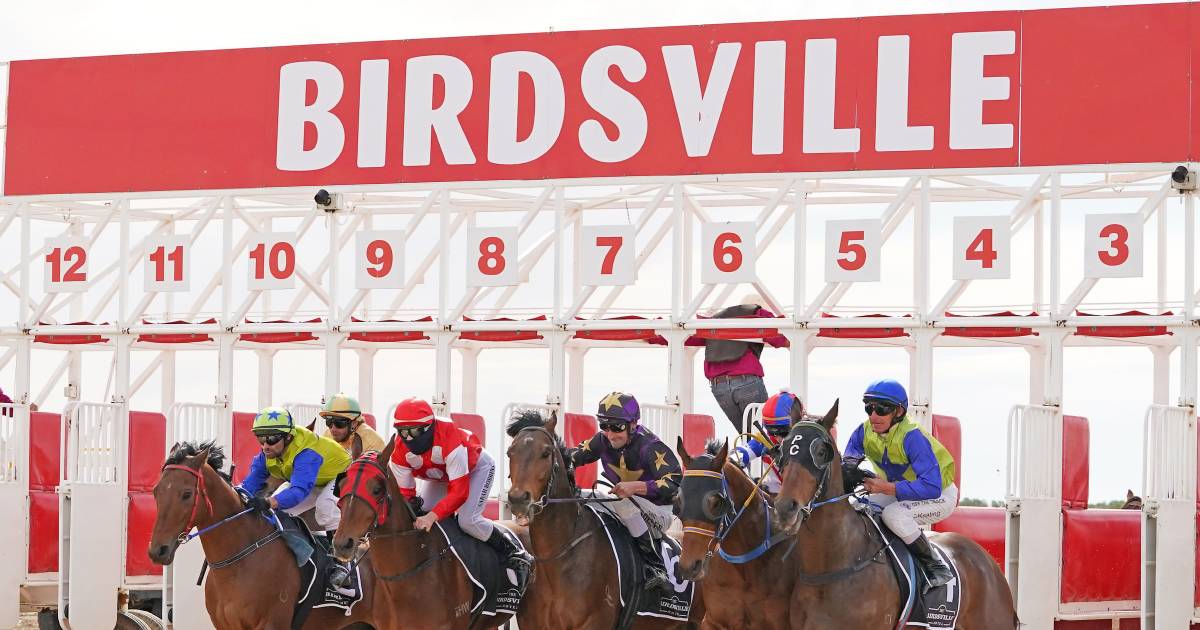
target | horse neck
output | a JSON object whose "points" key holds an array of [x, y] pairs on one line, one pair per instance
{"points": [[554, 526], [750, 529], [396, 552], [834, 537], [231, 537]]}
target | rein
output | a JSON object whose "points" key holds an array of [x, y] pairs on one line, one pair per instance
{"points": [[201, 490], [538, 506], [726, 523]]}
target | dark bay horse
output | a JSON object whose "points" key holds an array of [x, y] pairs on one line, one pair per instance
{"points": [[840, 586], [418, 582], [574, 570], [258, 590], [754, 584]]}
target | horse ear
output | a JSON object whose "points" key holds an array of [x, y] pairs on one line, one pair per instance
{"points": [[551, 425], [796, 413], [1129, 495], [722, 455], [830, 418], [683, 454], [201, 458], [356, 447], [386, 454]]}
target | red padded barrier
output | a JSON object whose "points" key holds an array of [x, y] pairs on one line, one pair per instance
{"points": [[948, 431], [984, 525], [491, 509], [472, 422], [44, 440], [142, 512], [43, 531], [580, 427], [1101, 555], [697, 429], [245, 447], [147, 449], [369, 418], [1075, 462]]}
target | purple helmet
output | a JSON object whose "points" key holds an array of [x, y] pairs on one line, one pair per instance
{"points": [[619, 407]]}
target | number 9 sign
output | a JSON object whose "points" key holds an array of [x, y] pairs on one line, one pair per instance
{"points": [[1113, 246], [379, 259], [728, 252], [852, 250], [492, 257]]}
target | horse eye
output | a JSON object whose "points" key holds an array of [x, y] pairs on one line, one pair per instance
{"points": [[546, 453], [377, 490], [187, 495]]}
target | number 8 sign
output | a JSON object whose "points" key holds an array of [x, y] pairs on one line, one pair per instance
{"points": [[492, 257], [728, 252], [1113, 246]]}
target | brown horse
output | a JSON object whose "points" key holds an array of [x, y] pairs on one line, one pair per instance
{"points": [[575, 571], [258, 590], [418, 582], [751, 578], [840, 586]]}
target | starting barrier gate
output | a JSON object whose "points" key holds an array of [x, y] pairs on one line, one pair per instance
{"points": [[1169, 517], [14, 528]]}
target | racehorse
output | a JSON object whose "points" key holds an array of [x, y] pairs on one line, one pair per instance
{"points": [[574, 568], [841, 583], [253, 581], [1132, 501], [418, 582], [722, 508]]}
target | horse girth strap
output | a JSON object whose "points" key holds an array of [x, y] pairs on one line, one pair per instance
{"points": [[424, 564], [815, 579]]}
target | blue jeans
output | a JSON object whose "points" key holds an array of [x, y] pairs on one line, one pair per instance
{"points": [[733, 394]]}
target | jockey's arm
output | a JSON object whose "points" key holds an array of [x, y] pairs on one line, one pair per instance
{"points": [[667, 473], [749, 451], [304, 477], [928, 484], [257, 477], [458, 484], [404, 480], [854, 449], [587, 452]]}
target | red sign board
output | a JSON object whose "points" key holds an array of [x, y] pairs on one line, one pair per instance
{"points": [[1017, 88]]}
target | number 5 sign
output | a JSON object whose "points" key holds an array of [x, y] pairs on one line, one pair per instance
{"points": [[272, 262], [66, 265], [727, 252], [492, 257], [981, 247], [852, 250], [607, 255], [1112, 246], [379, 259]]}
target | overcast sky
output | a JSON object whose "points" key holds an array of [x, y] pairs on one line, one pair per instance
{"points": [[46, 29]]}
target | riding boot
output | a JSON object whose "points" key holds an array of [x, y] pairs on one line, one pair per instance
{"points": [[339, 573], [936, 571], [511, 555], [656, 571]]}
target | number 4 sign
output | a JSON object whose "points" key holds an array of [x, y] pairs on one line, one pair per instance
{"points": [[607, 254], [982, 248], [1112, 246]]}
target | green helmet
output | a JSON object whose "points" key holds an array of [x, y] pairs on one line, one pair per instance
{"points": [[273, 420], [340, 405]]}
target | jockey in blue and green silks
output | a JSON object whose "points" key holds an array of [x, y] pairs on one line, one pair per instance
{"points": [[917, 487]]}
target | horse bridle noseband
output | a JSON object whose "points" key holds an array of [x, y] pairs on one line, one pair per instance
{"points": [[724, 522], [185, 535]]}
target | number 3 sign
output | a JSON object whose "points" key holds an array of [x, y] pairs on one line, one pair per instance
{"points": [[492, 257], [1113, 246], [852, 250], [728, 252]]}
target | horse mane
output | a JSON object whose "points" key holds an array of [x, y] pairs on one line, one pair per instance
{"points": [[183, 450], [526, 419], [712, 446]]}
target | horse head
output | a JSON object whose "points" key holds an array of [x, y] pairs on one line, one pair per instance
{"points": [[809, 468], [365, 494], [537, 467], [182, 497], [1132, 501], [703, 504]]}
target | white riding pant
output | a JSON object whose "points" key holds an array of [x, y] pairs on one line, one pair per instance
{"points": [[632, 517], [470, 516], [321, 501], [906, 518]]}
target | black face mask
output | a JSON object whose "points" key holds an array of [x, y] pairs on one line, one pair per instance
{"points": [[421, 443]]}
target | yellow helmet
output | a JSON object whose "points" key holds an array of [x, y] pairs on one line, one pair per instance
{"points": [[273, 420], [340, 405]]}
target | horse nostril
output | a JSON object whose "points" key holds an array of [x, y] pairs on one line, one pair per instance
{"points": [[160, 552], [346, 543], [518, 497]]}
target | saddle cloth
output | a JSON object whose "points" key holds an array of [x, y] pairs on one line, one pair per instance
{"points": [[676, 605], [495, 590], [934, 608], [313, 559]]}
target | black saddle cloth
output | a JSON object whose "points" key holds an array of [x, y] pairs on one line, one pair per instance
{"points": [[313, 559], [495, 589], [934, 608]]}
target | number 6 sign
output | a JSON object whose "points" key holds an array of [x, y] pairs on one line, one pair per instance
{"points": [[1113, 246], [66, 265], [607, 254], [728, 252], [852, 250], [272, 263], [379, 259], [492, 257]]}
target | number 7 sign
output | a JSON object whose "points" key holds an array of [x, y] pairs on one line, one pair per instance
{"points": [[607, 255]]}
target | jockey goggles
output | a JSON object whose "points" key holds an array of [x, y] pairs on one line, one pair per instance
{"points": [[778, 430], [271, 439], [337, 423], [410, 433], [614, 427], [879, 408]]}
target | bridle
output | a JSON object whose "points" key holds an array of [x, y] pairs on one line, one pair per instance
{"points": [[724, 521], [792, 449], [202, 490], [557, 461]]}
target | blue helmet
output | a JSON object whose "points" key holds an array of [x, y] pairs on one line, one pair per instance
{"points": [[887, 390]]}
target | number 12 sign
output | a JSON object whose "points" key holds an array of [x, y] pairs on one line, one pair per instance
{"points": [[66, 265], [607, 255]]}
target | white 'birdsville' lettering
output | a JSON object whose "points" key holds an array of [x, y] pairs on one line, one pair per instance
{"points": [[698, 104]]}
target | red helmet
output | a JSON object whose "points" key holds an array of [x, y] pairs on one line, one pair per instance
{"points": [[412, 412]]}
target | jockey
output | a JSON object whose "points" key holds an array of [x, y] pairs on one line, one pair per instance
{"points": [[345, 424], [307, 463], [641, 468], [777, 420], [919, 486], [458, 477]]}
